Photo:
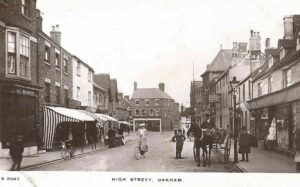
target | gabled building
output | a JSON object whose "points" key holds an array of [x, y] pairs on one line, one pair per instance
{"points": [[220, 63], [100, 101], [276, 92], [123, 108], [154, 107]]}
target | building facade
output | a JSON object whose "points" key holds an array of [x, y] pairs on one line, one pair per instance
{"points": [[196, 100], [19, 89], [100, 101], [154, 107], [276, 92], [220, 63], [83, 91]]}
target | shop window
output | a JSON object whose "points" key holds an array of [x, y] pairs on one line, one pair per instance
{"points": [[47, 92]]}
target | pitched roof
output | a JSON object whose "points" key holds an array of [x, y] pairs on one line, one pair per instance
{"points": [[150, 93], [102, 80], [289, 58], [221, 61], [286, 43]]}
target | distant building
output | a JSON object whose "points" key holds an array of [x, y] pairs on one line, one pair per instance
{"points": [[196, 100], [220, 63], [123, 108], [154, 107], [100, 101]]}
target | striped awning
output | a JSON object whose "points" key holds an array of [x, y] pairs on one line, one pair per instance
{"points": [[55, 115], [108, 118]]}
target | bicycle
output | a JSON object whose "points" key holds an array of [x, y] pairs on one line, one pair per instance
{"points": [[67, 149]]}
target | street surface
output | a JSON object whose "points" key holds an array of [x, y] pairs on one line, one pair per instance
{"points": [[160, 158]]}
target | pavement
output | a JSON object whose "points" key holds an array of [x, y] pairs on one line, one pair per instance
{"points": [[262, 161], [159, 158], [54, 156]]}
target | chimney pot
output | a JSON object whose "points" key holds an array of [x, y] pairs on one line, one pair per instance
{"points": [[135, 85], [161, 86], [267, 42]]}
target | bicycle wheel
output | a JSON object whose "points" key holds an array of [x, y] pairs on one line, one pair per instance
{"points": [[72, 151], [65, 154], [137, 153]]}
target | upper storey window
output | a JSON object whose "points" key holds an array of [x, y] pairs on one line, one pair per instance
{"points": [[18, 54], [25, 7]]}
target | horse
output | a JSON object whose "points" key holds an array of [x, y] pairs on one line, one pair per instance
{"points": [[201, 140]]}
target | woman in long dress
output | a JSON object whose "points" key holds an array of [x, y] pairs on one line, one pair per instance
{"points": [[142, 134]]}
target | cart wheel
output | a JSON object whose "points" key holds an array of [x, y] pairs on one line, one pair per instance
{"points": [[65, 154], [195, 153]]}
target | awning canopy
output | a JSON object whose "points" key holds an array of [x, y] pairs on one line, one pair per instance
{"points": [[55, 115], [106, 117]]}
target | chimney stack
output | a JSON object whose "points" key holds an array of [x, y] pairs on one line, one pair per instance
{"points": [[135, 85], [55, 34], [235, 45], [161, 86], [254, 41], [126, 97], [288, 27], [267, 43], [242, 46]]}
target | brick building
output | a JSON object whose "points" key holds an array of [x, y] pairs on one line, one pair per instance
{"points": [[154, 107], [100, 101], [123, 108], [19, 88]]}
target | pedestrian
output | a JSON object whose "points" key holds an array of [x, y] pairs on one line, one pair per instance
{"points": [[38, 136], [244, 142], [111, 137], [179, 138], [128, 129], [142, 135], [16, 150]]}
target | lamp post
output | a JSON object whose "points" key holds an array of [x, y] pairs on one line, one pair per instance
{"points": [[233, 85]]}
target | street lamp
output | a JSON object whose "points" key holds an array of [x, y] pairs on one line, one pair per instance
{"points": [[233, 84]]}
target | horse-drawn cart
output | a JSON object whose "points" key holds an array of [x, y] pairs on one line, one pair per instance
{"points": [[220, 141]]}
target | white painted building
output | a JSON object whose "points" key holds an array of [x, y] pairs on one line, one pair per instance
{"points": [[82, 82]]}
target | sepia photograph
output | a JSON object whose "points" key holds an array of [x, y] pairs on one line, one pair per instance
{"points": [[149, 92]]}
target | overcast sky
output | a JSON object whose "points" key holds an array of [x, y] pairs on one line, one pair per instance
{"points": [[152, 41]]}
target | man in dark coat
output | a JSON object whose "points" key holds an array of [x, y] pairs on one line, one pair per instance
{"points": [[244, 143], [15, 150], [179, 138]]}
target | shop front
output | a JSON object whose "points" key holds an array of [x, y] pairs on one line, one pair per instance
{"points": [[19, 114], [275, 120]]}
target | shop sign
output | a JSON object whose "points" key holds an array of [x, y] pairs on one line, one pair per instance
{"points": [[214, 98], [25, 92]]}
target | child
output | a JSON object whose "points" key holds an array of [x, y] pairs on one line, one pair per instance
{"points": [[179, 138], [244, 144], [16, 149]]}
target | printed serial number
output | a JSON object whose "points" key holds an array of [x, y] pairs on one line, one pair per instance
{"points": [[10, 178]]}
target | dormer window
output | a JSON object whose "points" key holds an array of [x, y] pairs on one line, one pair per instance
{"points": [[270, 61]]}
